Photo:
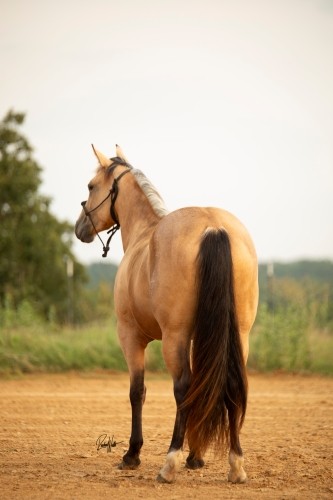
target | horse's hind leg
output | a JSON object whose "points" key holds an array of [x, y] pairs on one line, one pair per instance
{"points": [[179, 367], [237, 473]]}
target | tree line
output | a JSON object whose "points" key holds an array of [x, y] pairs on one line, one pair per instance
{"points": [[35, 247]]}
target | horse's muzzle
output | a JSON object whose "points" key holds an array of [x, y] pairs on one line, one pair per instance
{"points": [[83, 229]]}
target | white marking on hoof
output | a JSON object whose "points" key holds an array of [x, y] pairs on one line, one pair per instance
{"points": [[237, 473], [171, 467]]}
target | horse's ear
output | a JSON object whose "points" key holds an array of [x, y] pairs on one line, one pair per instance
{"points": [[102, 160], [120, 153]]}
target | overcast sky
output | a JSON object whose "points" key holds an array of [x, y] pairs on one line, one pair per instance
{"points": [[220, 102]]}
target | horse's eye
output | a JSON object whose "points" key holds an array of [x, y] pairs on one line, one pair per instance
{"points": [[90, 187]]}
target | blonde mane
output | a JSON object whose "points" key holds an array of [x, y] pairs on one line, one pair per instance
{"points": [[147, 187], [151, 193]]}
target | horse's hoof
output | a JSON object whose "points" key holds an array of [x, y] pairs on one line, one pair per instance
{"points": [[129, 463], [237, 478], [171, 467], [162, 479], [194, 463], [123, 466], [237, 473]]}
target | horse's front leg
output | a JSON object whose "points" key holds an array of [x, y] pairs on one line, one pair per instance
{"points": [[134, 350], [131, 458]]}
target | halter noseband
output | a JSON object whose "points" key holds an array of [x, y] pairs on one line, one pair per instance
{"points": [[113, 193]]}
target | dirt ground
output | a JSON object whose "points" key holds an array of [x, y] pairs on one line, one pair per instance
{"points": [[50, 423]]}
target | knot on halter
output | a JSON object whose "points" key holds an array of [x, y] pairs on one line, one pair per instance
{"points": [[112, 232]]}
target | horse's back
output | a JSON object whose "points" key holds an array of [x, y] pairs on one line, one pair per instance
{"points": [[187, 225]]}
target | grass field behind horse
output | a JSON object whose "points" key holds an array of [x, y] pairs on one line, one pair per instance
{"points": [[279, 341]]}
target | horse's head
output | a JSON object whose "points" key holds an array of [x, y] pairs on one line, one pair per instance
{"points": [[97, 213]]}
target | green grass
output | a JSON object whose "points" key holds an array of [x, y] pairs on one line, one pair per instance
{"points": [[282, 341], [321, 350], [28, 349], [41, 349]]}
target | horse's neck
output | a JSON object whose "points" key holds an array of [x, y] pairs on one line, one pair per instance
{"points": [[136, 216]]}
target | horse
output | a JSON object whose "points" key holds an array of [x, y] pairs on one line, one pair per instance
{"points": [[190, 279]]}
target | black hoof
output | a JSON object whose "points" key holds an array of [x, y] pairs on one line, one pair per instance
{"points": [[194, 463], [129, 463]]}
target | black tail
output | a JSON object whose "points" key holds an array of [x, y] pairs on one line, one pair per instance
{"points": [[217, 397]]}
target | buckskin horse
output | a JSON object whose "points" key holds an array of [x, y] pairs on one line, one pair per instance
{"points": [[190, 279]]}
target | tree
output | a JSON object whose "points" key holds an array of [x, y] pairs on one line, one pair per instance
{"points": [[34, 245]]}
